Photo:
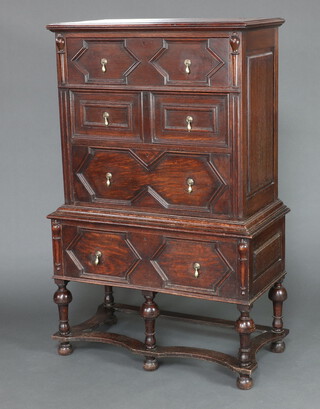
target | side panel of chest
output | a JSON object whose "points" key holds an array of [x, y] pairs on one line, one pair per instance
{"points": [[260, 128]]}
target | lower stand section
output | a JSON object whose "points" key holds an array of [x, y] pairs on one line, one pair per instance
{"points": [[244, 365]]}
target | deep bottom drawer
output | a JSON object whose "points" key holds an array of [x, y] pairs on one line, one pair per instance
{"points": [[220, 268], [150, 260]]}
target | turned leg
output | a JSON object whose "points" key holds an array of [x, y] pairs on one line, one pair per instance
{"points": [[149, 312], [277, 295], [109, 304], [63, 298], [244, 326]]}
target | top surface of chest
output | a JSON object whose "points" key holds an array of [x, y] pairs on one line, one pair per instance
{"points": [[167, 23]]}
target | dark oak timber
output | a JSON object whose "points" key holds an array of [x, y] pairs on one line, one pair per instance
{"points": [[169, 133]]}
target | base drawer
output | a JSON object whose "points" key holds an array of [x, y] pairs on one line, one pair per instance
{"points": [[222, 268], [161, 262]]}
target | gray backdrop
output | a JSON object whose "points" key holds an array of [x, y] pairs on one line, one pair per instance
{"points": [[31, 374]]}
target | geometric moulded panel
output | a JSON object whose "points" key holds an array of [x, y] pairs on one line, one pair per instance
{"points": [[102, 254], [175, 262], [164, 180]]}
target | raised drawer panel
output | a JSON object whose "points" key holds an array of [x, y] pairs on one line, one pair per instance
{"points": [[191, 119], [101, 254], [189, 265], [154, 260], [172, 181], [107, 115], [193, 62], [149, 61], [100, 61]]}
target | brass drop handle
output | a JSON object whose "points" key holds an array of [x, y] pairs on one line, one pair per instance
{"points": [[189, 121], [106, 118], [190, 183], [187, 64], [196, 267], [97, 257], [108, 177], [104, 62]]}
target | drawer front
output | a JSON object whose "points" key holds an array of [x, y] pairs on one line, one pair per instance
{"points": [[151, 260], [170, 181], [100, 61], [100, 254], [149, 61], [194, 266], [193, 62], [107, 115], [190, 119]]}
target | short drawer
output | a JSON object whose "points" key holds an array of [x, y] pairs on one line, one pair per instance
{"points": [[190, 119], [168, 180], [106, 115], [151, 260], [190, 62]]}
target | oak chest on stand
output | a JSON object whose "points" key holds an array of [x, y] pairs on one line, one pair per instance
{"points": [[169, 146]]}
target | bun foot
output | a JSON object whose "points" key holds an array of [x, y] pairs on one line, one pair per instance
{"points": [[65, 348], [278, 347], [244, 382], [150, 364]]}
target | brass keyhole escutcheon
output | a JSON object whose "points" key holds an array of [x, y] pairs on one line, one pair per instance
{"points": [[190, 183], [189, 121], [104, 62], [106, 118], [97, 257], [196, 267], [108, 177], [187, 64]]}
